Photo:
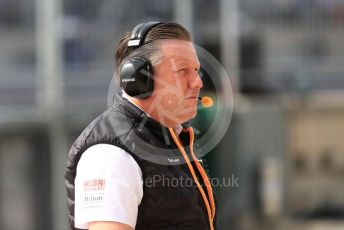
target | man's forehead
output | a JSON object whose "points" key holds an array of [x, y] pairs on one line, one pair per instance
{"points": [[183, 61]]}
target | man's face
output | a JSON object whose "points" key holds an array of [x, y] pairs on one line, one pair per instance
{"points": [[176, 82]]}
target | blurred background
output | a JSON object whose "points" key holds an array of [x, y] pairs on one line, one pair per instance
{"points": [[285, 59]]}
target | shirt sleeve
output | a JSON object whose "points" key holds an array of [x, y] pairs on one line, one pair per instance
{"points": [[108, 186]]}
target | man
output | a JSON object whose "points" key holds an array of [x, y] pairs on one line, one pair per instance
{"points": [[121, 168]]}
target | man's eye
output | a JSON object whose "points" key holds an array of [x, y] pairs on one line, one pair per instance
{"points": [[181, 70]]}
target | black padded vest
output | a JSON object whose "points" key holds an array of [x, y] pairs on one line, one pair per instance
{"points": [[163, 206]]}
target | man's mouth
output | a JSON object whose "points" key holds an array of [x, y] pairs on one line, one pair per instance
{"points": [[194, 96]]}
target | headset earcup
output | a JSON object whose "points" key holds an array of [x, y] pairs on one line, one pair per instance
{"points": [[136, 77]]}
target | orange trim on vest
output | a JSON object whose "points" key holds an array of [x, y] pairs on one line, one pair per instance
{"points": [[210, 206], [203, 174]]}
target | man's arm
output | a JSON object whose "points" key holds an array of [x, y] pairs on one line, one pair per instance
{"points": [[109, 225], [108, 189]]}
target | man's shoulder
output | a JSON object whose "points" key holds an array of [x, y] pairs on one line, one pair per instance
{"points": [[107, 153], [110, 127], [111, 122]]}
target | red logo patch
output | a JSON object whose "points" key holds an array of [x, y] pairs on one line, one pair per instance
{"points": [[96, 184]]}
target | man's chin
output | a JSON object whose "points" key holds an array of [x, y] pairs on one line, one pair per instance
{"points": [[191, 115], [183, 116]]}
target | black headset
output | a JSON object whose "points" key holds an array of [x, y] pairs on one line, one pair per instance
{"points": [[136, 73]]}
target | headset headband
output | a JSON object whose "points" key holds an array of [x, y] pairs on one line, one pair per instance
{"points": [[139, 33]]}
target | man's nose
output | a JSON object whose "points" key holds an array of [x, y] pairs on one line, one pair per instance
{"points": [[195, 81]]}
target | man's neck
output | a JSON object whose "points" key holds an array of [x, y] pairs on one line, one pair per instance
{"points": [[177, 128], [130, 99]]}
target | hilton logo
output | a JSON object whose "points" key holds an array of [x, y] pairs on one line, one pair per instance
{"points": [[94, 198]]}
